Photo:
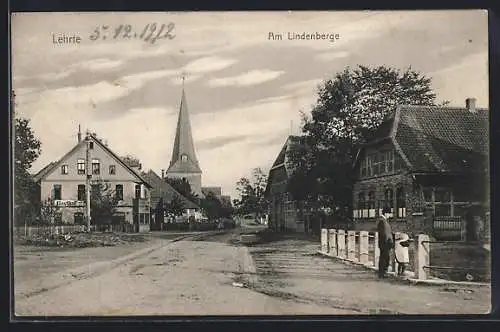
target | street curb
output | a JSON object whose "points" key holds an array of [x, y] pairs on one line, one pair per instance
{"points": [[249, 268], [412, 281], [90, 270]]}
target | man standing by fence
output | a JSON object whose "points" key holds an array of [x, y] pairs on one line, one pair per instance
{"points": [[385, 242]]}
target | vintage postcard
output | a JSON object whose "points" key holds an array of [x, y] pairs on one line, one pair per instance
{"points": [[250, 163]]}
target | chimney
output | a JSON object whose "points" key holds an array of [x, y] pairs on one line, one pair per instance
{"points": [[470, 104], [79, 134], [162, 174]]}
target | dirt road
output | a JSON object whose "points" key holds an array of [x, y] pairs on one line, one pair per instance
{"points": [[181, 278], [216, 276]]}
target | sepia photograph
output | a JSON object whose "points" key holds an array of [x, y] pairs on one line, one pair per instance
{"points": [[250, 163]]}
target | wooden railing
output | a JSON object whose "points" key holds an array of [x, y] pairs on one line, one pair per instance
{"points": [[361, 247]]}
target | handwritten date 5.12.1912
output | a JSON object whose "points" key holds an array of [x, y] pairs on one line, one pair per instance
{"points": [[151, 32]]}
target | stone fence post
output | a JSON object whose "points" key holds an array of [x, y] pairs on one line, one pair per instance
{"points": [[341, 244], [351, 246], [421, 257], [332, 242], [376, 249], [363, 247], [324, 240]]}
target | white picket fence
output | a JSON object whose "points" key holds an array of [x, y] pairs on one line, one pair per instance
{"points": [[361, 247]]}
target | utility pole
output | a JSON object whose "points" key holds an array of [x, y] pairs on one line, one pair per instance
{"points": [[89, 177]]}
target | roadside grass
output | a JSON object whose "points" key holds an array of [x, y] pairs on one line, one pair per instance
{"points": [[79, 239]]}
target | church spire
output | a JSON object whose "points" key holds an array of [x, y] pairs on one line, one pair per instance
{"points": [[183, 154]]}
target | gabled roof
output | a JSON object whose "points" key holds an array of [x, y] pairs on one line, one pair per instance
{"points": [[281, 159], [53, 165], [162, 189], [183, 143], [438, 139], [44, 171]]}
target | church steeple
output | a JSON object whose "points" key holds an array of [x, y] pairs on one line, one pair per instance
{"points": [[183, 154]]}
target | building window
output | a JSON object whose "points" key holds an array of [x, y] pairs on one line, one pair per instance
{"points": [[96, 167], [389, 198], [371, 204], [137, 191], [112, 169], [427, 194], [91, 145], [81, 193], [389, 161], [378, 163], [400, 203], [363, 168], [143, 218], [184, 158], [57, 193], [442, 202], [79, 218], [119, 192], [80, 166], [369, 166], [64, 169]]}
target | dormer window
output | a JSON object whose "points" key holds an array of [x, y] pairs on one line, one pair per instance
{"points": [[184, 158]]}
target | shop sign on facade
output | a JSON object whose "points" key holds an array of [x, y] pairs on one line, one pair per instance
{"points": [[69, 203]]}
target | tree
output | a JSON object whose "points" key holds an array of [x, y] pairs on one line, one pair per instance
{"points": [[103, 203], [175, 207], [212, 206], [48, 212], [349, 109], [183, 187], [251, 191], [227, 209], [27, 149]]}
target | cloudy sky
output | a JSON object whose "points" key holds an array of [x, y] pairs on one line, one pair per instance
{"points": [[244, 91]]}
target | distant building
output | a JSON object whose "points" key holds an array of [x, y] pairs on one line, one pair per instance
{"points": [[184, 163], [163, 193], [284, 212], [216, 191], [64, 182], [429, 165]]}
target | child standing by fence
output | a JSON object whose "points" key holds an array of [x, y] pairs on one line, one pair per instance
{"points": [[401, 250]]}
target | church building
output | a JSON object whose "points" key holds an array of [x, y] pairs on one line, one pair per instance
{"points": [[184, 164]]}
